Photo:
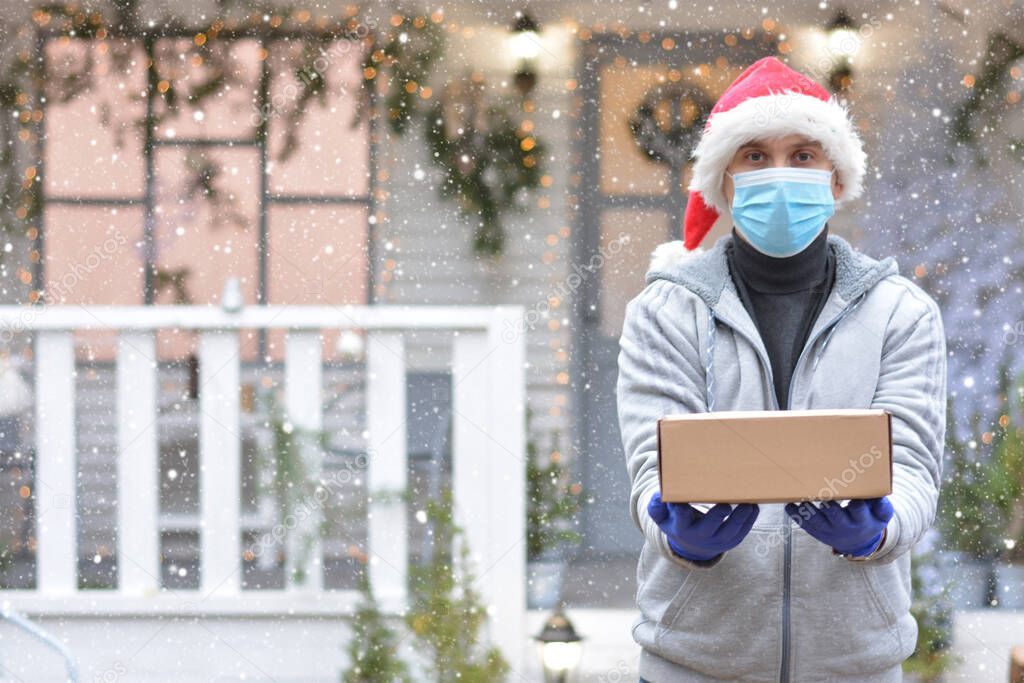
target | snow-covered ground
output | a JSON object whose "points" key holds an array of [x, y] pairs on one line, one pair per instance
{"points": [[280, 649], [982, 638]]}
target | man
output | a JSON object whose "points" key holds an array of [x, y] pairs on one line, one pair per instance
{"points": [[779, 315]]}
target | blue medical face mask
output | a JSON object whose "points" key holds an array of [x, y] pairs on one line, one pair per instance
{"points": [[781, 210]]}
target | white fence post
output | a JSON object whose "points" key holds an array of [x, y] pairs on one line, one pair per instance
{"points": [[387, 467], [219, 464], [138, 466], [471, 496], [303, 399], [506, 578], [57, 544], [489, 470]]}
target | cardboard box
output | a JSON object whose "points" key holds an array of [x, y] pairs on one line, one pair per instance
{"points": [[775, 456]]}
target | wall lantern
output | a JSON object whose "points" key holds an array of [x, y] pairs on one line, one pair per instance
{"points": [[560, 648], [843, 43], [525, 45]]}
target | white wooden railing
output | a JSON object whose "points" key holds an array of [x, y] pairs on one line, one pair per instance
{"points": [[488, 451]]}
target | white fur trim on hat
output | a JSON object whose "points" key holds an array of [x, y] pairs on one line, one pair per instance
{"points": [[669, 254], [771, 116]]}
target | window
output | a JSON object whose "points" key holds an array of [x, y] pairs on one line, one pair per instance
{"points": [[149, 203]]}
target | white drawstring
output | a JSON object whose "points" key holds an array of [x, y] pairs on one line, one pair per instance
{"points": [[709, 367]]}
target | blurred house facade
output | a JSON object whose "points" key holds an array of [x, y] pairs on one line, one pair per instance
{"points": [[353, 218]]}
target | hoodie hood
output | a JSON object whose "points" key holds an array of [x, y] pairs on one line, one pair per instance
{"points": [[706, 274], [706, 271]]}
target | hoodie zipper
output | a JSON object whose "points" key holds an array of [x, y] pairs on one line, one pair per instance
{"points": [[788, 533]]}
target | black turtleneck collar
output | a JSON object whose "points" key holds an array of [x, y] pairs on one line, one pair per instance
{"points": [[773, 275]]}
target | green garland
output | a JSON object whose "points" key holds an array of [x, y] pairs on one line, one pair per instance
{"points": [[1002, 50], [672, 143], [487, 161], [407, 52]]}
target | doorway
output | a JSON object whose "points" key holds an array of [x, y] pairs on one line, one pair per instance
{"points": [[645, 98]]}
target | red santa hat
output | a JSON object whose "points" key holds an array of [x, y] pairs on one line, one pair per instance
{"points": [[768, 100]]}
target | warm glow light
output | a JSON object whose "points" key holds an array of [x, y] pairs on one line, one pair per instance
{"points": [[524, 44], [843, 41], [561, 656]]}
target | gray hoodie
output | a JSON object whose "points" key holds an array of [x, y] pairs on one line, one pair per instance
{"points": [[781, 606]]}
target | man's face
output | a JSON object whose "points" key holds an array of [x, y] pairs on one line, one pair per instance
{"points": [[791, 150]]}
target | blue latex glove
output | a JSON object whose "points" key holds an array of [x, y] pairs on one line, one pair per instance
{"points": [[697, 535], [854, 530]]}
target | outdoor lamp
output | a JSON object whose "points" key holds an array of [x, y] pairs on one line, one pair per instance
{"points": [[560, 648], [525, 46], [842, 35], [843, 43]]}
